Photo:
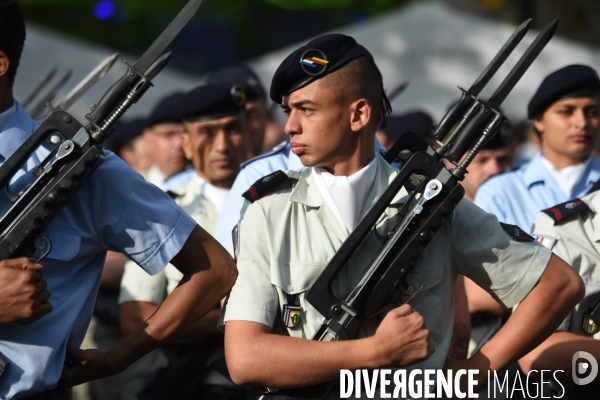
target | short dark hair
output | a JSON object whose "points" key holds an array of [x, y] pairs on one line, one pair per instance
{"points": [[12, 37], [360, 78]]}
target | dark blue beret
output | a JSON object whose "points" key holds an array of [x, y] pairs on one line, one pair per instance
{"points": [[166, 111], [571, 81], [418, 122], [314, 60], [241, 75], [125, 132], [6, 3], [210, 101]]}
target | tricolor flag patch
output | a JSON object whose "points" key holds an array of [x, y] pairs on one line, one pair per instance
{"points": [[545, 241], [314, 62]]}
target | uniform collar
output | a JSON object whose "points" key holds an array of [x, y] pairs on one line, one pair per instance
{"points": [[306, 191], [15, 131], [535, 171]]}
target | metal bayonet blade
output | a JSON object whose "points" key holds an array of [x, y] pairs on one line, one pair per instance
{"points": [[524, 62], [397, 91], [39, 86], [86, 83], [160, 44], [500, 58]]}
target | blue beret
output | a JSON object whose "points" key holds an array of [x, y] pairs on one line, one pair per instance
{"points": [[6, 3], [210, 101], [124, 133], [166, 111], [314, 60], [241, 75], [571, 81]]}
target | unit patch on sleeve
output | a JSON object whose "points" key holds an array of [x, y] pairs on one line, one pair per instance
{"points": [[545, 241], [566, 210], [516, 232], [264, 185]]}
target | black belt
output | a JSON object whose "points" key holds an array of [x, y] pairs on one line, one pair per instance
{"points": [[54, 394]]}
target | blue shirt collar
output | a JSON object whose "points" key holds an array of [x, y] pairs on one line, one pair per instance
{"points": [[15, 131], [536, 172]]}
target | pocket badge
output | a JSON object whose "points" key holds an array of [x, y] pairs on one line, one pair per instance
{"points": [[291, 315], [589, 326]]}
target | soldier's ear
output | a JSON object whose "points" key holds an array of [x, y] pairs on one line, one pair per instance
{"points": [[4, 63], [186, 145]]}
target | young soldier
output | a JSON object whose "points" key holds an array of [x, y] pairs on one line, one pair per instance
{"points": [[293, 223], [216, 141], [572, 231], [566, 116], [114, 210]]}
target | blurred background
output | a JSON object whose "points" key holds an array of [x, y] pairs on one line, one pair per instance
{"points": [[434, 44]]}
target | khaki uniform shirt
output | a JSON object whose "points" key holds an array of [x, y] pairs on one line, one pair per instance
{"points": [[287, 237], [136, 284], [577, 241]]}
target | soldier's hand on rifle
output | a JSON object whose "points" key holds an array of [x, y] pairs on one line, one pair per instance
{"points": [[402, 338], [23, 293]]}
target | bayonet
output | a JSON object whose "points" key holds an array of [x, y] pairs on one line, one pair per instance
{"points": [[397, 91], [466, 101], [39, 108], [39, 86], [86, 83]]}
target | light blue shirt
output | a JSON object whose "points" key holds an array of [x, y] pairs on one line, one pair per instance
{"points": [[280, 158], [179, 179], [516, 197], [114, 210]]}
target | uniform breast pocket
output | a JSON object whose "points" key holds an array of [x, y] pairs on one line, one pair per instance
{"points": [[64, 244], [292, 282]]}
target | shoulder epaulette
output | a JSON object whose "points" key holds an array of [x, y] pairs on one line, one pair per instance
{"points": [[519, 234], [172, 194], [565, 210], [264, 185], [274, 150]]}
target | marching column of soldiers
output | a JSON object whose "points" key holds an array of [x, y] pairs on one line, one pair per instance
{"points": [[182, 268]]}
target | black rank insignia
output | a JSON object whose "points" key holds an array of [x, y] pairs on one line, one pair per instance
{"points": [[264, 185], [519, 234]]}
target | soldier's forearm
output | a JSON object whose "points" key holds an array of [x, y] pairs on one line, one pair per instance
{"points": [[556, 353], [256, 356], [559, 289]]}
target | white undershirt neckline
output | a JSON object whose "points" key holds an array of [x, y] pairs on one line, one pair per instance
{"points": [[346, 196], [568, 177], [215, 195]]}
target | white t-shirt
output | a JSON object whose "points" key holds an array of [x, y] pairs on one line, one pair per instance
{"points": [[216, 195], [567, 177], [346, 195]]}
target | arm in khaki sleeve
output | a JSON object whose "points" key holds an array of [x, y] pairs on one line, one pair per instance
{"points": [[208, 274], [256, 355], [551, 298]]}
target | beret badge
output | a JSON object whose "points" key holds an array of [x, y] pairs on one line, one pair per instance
{"points": [[313, 62], [238, 95]]}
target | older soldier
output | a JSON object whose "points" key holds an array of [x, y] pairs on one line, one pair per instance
{"points": [[293, 223], [256, 101], [216, 141], [572, 231], [566, 115]]}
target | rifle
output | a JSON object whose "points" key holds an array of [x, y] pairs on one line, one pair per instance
{"points": [[466, 127], [38, 86], [75, 150], [38, 108], [85, 84]]}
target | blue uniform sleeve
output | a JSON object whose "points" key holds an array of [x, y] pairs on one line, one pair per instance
{"points": [[134, 217], [491, 199], [231, 211]]}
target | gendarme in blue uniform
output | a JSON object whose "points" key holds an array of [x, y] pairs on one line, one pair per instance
{"points": [[114, 210], [516, 197]]}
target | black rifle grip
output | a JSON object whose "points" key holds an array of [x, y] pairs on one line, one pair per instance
{"points": [[452, 117], [114, 97]]}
